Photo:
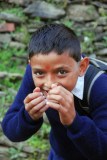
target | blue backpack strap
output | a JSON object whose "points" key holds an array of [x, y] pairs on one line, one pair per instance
{"points": [[95, 69], [98, 63], [91, 76]]}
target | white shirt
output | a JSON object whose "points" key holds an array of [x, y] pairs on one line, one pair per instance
{"points": [[79, 88]]}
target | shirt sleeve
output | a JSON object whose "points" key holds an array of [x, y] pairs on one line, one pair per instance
{"points": [[17, 125], [90, 135]]}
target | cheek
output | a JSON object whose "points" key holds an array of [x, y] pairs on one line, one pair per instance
{"points": [[36, 81], [71, 82]]}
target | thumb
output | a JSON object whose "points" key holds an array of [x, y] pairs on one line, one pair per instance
{"points": [[54, 85], [37, 89]]}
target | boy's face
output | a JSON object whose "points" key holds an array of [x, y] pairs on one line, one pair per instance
{"points": [[54, 69]]}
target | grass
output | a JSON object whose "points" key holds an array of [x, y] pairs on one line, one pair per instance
{"points": [[6, 62], [22, 29], [15, 11], [41, 141], [87, 45]]}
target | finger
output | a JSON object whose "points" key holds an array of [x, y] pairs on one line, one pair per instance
{"points": [[54, 85], [34, 102], [56, 106], [37, 115], [32, 96], [58, 90], [56, 99], [61, 96], [37, 108], [37, 89], [44, 108]]}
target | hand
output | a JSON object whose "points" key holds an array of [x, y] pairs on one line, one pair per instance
{"points": [[63, 101], [35, 104]]}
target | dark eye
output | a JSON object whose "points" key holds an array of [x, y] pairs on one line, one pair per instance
{"points": [[38, 73], [61, 72]]}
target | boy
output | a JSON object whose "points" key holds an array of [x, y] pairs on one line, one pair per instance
{"points": [[54, 83]]}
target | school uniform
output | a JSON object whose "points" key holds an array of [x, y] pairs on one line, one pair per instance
{"points": [[84, 139]]}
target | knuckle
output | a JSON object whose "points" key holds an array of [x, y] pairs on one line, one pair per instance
{"points": [[32, 103], [60, 98], [66, 111], [41, 98], [34, 110], [43, 103], [72, 97], [59, 107], [30, 113], [24, 101], [29, 96], [59, 89], [69, 106], [70, 100], [27, 107]]}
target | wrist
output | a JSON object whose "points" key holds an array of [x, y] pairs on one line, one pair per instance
{"points": [[71, 120]]}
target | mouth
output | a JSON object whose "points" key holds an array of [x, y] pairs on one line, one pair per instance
{"points": [[45, 92]]}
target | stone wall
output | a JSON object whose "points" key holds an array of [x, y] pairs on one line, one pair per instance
{"points": [[88, 18]]}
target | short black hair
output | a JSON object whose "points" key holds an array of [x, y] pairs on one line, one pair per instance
{"points": [[55, 37]]}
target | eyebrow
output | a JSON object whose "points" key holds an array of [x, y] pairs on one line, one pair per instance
{"points": [[57, 68], [37, 69], [62, 67]]}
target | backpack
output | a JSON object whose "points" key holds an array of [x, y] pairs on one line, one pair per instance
{"points": [[95, 69]]}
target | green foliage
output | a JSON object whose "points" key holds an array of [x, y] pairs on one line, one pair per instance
{"points": [[68, 23], [15, 11], [58, 4], [48, 1], [2, 109], [6, 99], [10, 66], [103, 14], [38, 143], [38, 19], [6, 62], [2, 102], [10, 84], [15, 154], [23, 29], [105, 41], [95, 25], [87, 44], [41, 141], [90, 10], [9, 97], [45, 131]]}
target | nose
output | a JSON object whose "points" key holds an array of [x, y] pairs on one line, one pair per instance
{"points": [[50, 79]]}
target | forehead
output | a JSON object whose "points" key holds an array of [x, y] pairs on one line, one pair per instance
{"points": [[52, 59]]}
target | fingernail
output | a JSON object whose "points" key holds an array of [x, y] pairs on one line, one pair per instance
{"points": [[43, 97], [41, 93], [54, 85], [46, 101]]}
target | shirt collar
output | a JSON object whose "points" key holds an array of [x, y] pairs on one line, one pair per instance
{"points": [[79, 88]]}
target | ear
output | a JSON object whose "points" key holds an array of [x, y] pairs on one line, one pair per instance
{"points": [[29, 62], [83, 66]]}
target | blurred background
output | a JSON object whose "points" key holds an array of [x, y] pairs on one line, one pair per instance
{"points": [[18, 20]]}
